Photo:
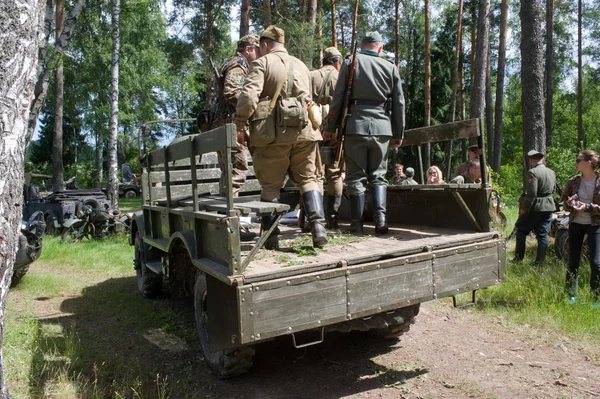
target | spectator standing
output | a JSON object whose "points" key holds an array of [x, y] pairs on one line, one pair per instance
{"points": [[398, 174], [409, 181], [535, 206], [434, 176], [584, 218], [471, 175]]}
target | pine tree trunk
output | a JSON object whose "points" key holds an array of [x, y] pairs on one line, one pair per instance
{"points": [[354, 24], [334, 42], [342, 31], [19, 49], [57, 145], [397, 34], [497, 159], [489, 109], [112, 189], [549, 69], [579, 77], [532, 77], [267, 11], [477, 104], [245, 18], [427, 121]]}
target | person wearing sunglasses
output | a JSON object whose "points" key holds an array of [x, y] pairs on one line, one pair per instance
{"points": [[581, 197], [535, 206], [434, 176]]}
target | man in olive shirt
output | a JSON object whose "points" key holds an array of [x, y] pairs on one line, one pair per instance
{"points": [[535, 206], [324, 81], [408, 180], [293, 152], [472, 174], [376, 123]]}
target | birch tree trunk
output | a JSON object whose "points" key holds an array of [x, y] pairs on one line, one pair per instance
{"points": [[496, 161], [112, 189], [245, 18], [333, 25], [427, 94], [549, 68], [19, 50], [57, 144], [532, 77]]}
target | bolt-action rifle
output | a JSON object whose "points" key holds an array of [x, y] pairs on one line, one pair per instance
{"points": [[345, 114]]}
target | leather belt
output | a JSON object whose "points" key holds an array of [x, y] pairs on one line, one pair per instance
{"points": [[371, 103]]}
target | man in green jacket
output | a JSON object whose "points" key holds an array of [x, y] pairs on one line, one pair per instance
{"points": [[376, 122], [535, 206]]}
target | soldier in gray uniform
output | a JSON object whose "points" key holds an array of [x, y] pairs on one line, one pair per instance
{"points": [[472, 173], [535, 206], [376, 123]]}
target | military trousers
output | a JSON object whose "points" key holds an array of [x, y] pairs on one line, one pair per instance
{"points": [[298, 160], [239, 170], [366, 161]]}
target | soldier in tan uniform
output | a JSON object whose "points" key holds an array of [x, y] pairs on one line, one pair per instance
{"points": [[289, 145], [323, 87], [233, 73]]}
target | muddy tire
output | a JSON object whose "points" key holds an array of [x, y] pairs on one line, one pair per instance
{"points": [[223, 364], [561, 244], [149, 283], [18, 275], [130, 194]]}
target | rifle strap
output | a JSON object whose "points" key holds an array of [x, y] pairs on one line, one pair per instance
{"points": [[280, 85], [290, 80], [326, 81]]}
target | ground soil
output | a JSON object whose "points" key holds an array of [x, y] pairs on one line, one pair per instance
{"points": [[448, 353]]}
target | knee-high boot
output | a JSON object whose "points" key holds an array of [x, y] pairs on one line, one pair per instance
{"points": [[379, 200], [313, 206], [357, 206], [266, 222], [333, 205]]}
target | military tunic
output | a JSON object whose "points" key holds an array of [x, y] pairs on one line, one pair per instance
{"points": [[324, 81], [233, 73], [372, 122], [295, 155]]}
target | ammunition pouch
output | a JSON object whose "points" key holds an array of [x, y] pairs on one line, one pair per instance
{"points": [[262, 124], [291, 118]]}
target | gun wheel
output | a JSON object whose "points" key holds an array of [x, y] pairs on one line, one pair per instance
{"points": [[225, 363]]}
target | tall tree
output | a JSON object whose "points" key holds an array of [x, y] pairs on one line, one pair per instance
{"points": [[267, 12], [549, 68], [497, 158], [427, 94], [532, 77], [245, 18], [579, 75], [19, 48], [334, 41], [477, 103], [57, 145], [113, 192], [397, 33], [354, 24], [489, 112]]}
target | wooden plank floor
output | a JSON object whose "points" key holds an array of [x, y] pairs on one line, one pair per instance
{"points": [[292, 258]]}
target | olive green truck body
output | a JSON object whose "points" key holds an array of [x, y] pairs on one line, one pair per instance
{"points": [[187, 240]]}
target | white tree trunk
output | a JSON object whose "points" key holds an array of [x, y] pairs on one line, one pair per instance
{"points": [[114, 109], [21, 22]]}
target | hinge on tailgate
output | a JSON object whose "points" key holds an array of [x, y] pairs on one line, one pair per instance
{"points": [[464, 305]]}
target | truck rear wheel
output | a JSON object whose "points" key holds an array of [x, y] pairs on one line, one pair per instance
{"points": [[397, 322], [226, 363], [130, 194], [148, 282]]}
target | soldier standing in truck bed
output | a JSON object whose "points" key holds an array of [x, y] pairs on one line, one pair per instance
{"points": [[281, 149], [233, 74], [376, 123], [323, 87]]}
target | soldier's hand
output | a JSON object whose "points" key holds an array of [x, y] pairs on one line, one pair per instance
{"points": [[327, 135], [241, 137], [395, 143]]}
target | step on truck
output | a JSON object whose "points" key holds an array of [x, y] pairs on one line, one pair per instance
{"points": [[187, 244]]}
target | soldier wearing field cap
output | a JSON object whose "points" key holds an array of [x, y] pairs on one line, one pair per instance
{"points": [[289, 145], [535, 206], [233, 74], [376, 123], [323, 87]]}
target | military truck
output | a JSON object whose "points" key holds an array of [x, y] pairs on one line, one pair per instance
{"points": [[187, 242]]}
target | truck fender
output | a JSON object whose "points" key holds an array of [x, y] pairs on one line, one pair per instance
{"points": [[70, 222], [187, 237], [137, 224]]}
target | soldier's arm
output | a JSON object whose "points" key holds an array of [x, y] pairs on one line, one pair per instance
{"points": [[398, 116], [251, 91], [530, 191], [232, 85], [338, 100]]}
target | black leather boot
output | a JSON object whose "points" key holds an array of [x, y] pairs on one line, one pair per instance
{"points": [[313, 207], [333, 205], [379, 200], [357, 205], [519, 247], [266, 222]]}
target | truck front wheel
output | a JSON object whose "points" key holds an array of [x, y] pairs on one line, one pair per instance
{"points": [[148, 282], [226, 363], [130, 194]]}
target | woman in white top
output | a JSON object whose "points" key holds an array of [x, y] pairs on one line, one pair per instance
{"points": [[581, 198]]}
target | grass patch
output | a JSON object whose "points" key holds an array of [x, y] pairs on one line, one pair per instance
{"points": [[130, 205]]}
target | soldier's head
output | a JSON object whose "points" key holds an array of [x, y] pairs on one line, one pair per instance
{"points": [[273, 37], [473, 152], [535, 157], [248, 47], [372, 41], [410, 172], [332, 56], [474, 169]]}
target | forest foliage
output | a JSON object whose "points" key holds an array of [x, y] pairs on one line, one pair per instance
{"points": [[164, 72]]}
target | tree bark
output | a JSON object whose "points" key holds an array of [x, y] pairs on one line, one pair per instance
{"points": [[489, 111], [57, 145], [99, 158], [427, 94], [532, 77], [19, 48], [334, 42], [579, 77], [477, 104], [44, 62], [245, 18], [354, 24], [112, 189], [549, 68], [267, 10], [397, 34], [496, 160]]}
